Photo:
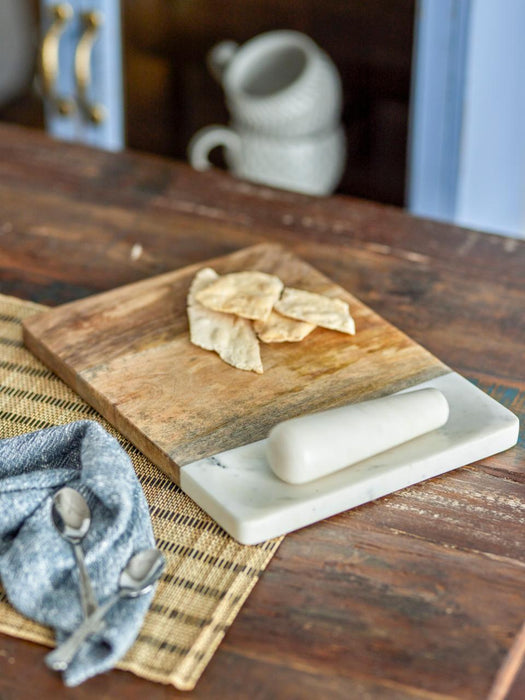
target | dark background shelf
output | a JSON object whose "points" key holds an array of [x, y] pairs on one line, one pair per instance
{"points": [[170, 94]]}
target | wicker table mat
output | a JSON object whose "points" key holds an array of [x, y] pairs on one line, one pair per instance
{"points": [[208, 576]]}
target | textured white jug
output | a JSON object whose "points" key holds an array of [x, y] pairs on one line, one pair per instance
{"points": [[280, 83], [310, 164]]}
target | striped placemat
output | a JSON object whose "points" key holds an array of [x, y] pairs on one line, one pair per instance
{"points": [[208, 575]]}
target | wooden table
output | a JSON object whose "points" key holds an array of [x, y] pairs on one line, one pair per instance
{"points": [[419, 595]]}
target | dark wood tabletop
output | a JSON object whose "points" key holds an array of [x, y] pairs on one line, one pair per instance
{"points": [[417, 595]]}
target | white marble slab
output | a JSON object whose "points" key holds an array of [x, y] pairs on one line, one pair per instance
{"points": [[239, 490]]}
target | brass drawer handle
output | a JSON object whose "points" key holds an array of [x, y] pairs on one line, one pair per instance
{"points": [[49, 59], [92, 21]]}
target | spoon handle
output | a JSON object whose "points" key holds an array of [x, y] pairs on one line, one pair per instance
{"points": [[87, 597], [60, 658]]}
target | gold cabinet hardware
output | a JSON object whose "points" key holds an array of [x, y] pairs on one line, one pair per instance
{"points": [[49, 58], [92, 22]]}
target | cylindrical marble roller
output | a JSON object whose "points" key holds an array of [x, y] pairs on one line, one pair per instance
{"points": [[305, 448]]}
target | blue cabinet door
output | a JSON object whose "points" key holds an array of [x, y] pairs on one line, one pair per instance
{"points": [[437, 103], [81, 71], [467, 139]]}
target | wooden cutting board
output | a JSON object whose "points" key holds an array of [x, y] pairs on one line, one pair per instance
{"points": [[127, 352]]}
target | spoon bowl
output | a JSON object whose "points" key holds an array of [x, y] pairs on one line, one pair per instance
{"points": [[71, 514], [140, 573]]}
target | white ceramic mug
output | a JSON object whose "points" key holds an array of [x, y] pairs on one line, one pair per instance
{"points": [[279, 83], [310, 164]]}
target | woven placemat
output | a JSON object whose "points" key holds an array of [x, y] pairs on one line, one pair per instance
{"points": [[208, 575]]}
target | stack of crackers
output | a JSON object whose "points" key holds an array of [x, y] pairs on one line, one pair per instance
{"points": [[229, 314]]}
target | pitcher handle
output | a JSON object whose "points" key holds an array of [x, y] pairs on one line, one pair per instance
{"points": [[208, 138], [219, 56]]}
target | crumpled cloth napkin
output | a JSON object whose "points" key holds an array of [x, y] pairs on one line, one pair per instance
{"points": [[37, 567]]}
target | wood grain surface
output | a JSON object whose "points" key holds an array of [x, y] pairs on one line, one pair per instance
{"points": [[417, 595], [128, 353]]}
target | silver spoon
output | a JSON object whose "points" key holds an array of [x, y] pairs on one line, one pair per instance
{"points": [[138, 577], [72, 518]]}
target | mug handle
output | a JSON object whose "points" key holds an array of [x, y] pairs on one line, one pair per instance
{"points": [[219, 57], [208, 138]]}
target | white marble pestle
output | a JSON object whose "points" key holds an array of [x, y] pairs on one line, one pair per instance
{"points": [[306, 448]]}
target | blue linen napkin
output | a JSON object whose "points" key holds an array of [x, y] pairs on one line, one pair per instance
{"points": [[37, 567]]}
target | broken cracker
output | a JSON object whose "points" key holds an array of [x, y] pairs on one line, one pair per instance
{"points": [[282, 329], [231, 337], [316, 308], [249, 294]]}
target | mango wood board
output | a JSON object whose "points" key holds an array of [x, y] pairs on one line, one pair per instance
{"points": [[127, 353]]}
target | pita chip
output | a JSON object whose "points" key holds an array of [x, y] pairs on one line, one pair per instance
{"points": [[249, 294], [231, 337], [318, 309], [282, 329]]}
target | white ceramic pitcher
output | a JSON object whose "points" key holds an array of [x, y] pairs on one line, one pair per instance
{"points": [[280, 83], [309, 164]]}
